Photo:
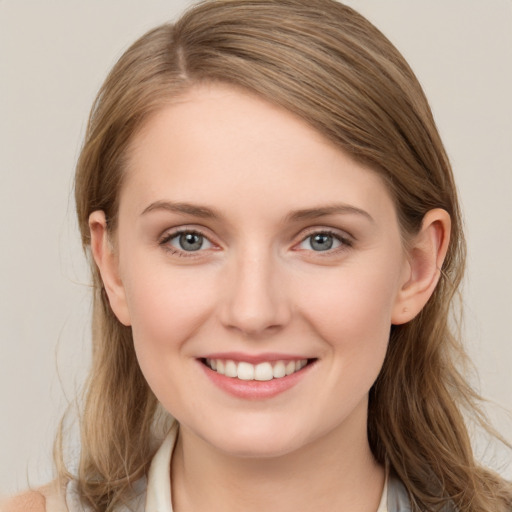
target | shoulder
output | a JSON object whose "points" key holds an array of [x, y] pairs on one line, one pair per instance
{"points": [[49, 498], [30, 501]]}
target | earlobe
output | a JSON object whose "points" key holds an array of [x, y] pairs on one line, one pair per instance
{"points": [[106, 260], [426, 254]]}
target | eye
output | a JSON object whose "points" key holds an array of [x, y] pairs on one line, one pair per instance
{"points": [[322, 241], [187, 241]]}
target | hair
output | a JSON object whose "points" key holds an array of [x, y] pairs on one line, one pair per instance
{"points": [[325, 63]]}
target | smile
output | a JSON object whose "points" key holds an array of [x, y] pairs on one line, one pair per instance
{"points": [[263, 371]]}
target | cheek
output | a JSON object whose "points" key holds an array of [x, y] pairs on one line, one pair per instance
{"points": [[351, 310], [166, 309], [166, 306]]}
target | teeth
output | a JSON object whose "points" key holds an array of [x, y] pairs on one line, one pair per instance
{"points": [[300, 364], [290, 367], [230, 369], [279, 370], [246, 371], [261, 372]]}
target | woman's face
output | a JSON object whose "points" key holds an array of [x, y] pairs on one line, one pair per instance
{"points": [[248, 243]]}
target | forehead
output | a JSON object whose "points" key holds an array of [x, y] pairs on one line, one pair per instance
{"points": [[217, 143]]}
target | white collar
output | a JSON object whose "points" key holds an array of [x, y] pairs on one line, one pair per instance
{"points": [[158, 497]]}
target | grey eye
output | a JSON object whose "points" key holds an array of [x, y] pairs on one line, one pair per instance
{"points": [[320, 242], [190, 241]]}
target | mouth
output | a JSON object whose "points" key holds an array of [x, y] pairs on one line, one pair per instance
{"points": [[263, 371]]}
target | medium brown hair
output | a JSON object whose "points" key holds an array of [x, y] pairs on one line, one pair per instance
{"points": [[328, 65]]}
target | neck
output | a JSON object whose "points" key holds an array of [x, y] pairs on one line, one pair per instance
{"points": [[335, 472]]}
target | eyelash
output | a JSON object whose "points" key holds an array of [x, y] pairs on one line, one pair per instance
{"points": [[164, 242], [345, 242]]}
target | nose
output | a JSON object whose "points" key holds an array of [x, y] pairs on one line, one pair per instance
{"points": [[256, 302]]}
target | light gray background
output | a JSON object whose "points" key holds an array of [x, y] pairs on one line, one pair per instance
{"points": [[54, 56]]}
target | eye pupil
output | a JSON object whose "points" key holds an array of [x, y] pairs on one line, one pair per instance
{"points": [[191, 241], [322, 242]]}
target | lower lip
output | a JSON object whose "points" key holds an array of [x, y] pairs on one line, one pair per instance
{"points": [[255, 389]]}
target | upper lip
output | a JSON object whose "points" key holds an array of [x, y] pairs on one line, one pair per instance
{"points": [[255, 358]]}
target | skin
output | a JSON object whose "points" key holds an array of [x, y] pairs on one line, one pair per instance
{"points": [[256, 286]]}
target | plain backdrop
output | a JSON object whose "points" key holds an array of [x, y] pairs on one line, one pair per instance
{"points": [[54, 55]]}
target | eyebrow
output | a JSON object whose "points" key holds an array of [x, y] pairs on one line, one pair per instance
{"points": [[295, 216], [184, 208], [323, 211]]}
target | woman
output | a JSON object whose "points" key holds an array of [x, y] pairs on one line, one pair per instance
{"points": [[276, 240]]}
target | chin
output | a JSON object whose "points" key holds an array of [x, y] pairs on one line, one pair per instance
{"points": [[261, 447], [257, 439]]}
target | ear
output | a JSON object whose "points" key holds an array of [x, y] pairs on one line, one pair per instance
{"points": [[426, 253], [105, 257]]}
